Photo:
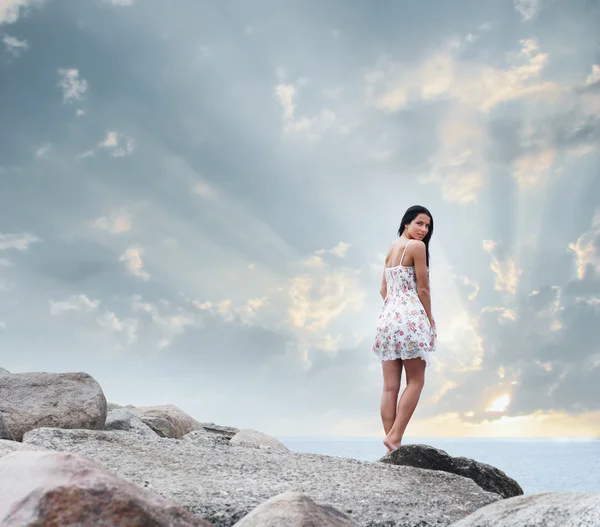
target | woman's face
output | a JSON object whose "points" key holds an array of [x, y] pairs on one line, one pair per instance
{"points": [[419, 227]]}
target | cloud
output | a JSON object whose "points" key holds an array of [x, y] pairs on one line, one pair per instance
{"points": [[117, 144], [20, 242], [42, 151], [121, 2], [72, 86], [593, 77], [528, 9], [506, 270], [204, 189], [14, 45], [74, 303], [134, 263], [117, 222], [312, 127], [341, 249], [11, 9], [586, 248], [128, 327], [530, 169]]}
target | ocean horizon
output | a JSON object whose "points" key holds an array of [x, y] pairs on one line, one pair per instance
{"points": [[537, 464]]}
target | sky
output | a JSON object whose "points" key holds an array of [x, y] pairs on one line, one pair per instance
{"points": [[196, 199]]}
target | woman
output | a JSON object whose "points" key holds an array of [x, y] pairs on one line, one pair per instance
{"points": [[405, 329]]}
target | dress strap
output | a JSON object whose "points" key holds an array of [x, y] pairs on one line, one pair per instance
{"points": [[405, 247]]}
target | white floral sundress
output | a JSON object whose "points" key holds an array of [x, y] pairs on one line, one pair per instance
{"points": [[403, 329]]}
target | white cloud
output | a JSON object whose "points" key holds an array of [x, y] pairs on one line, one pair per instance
{"points": [[507, 275], [115, 223], [528, 9], [488, 245], [593, 77], [390, 86], [14, 45], [133, 260], [21, 242], [121, 2], [84, 155], [312, 127], [317, 300], [74, 303], [465, 280], [585, 248], [11, 9], [341, 249], [530, 170], [42, 151], [110, 321], [205, 190], [79, 112], [72, 86], [117, 144]]}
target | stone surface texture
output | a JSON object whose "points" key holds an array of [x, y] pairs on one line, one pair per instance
{"points": [[546, 509], [166, 420], [252, 438], [62, 400], [222, 483], [294, 509], [486, 476], [58, 488]]}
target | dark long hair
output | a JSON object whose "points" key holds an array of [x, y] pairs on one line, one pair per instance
{"points": [[410, 214]]}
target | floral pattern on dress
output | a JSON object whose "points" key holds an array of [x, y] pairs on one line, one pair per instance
{"points": [[403, 329]]}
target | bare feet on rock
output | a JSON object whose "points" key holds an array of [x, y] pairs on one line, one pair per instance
{"points": [[390, 445]]}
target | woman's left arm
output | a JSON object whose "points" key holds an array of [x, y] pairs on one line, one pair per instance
{"points": [[383, 289]]}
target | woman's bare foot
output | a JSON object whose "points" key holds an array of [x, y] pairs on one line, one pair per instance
{"points": [[390, 446]]}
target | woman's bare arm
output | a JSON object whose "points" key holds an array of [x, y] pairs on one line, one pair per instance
{"points": [[383, 290], [420, 262]]}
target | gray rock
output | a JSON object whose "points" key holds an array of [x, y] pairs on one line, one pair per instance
{"points": [[486, 476], [113, 406], [4, 372], [252, 438], [226, 431], [222, 484], [8, 447], [118, 419], [63, 400], [62, 488], [294, 509], [5, 432], [546, 509], [167, 420], [206, 437]]}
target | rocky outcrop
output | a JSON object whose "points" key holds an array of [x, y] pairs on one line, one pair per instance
{"points": [[547, 509], [294, 509], [252, 438], [226, 431], [63, 400], [124, 419], [5, 432], [4, 372], [167, 420], [486, 476], [222, 483], [56, 488]]}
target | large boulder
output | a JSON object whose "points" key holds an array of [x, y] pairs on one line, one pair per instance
{"points": [[61, 488], [222, 484], [62, 400], [252, 438], [5, 432], [294, 509], [8, 447], [166, 420], [486, 476], [546, 509]]}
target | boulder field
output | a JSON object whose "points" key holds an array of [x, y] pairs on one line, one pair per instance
{"points": [[67, 457]]}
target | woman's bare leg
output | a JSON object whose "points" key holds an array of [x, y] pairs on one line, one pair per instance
{"points": [[392, 376], [415, 379]]}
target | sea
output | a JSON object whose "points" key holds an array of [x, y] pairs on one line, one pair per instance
{"points": [[538, 465]]}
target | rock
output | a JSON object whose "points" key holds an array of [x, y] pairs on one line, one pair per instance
{"points": [[167, 420], [486, 476], [8, 447], [256, 439], [546, 509], [5, 432], [4, 372], [112, 406], [206, 437], [61, 488], [294, 509], [119, 419], [63, 400], [226, 431], [222, 484]]}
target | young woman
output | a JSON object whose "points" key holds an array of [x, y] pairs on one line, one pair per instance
{"points": [[406, 333]]}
